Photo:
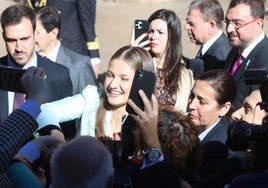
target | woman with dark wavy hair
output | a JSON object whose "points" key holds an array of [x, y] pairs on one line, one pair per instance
{"points": [[174, 77]]}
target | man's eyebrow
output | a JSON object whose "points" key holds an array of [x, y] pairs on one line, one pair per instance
{"points": [[15, 39], [234, 20]]}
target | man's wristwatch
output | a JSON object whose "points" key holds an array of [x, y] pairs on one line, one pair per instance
{"points": [[152, 154]]}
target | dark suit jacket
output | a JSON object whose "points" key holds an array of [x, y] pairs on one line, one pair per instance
{"points": [[81, 71], [77, 24], [218, 133], [215, 56], [58, 81], [257, 58], [214, 151]]}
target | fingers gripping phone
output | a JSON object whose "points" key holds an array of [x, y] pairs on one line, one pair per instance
{"points": [[141, 26], [143, 80], [10, 79]]}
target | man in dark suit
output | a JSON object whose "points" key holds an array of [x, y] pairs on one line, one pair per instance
{"points": [[18, 25], [204, 27], [244, 26], [48, 25], [48, 44], [78, 26]]}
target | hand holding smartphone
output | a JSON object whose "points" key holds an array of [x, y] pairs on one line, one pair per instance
{"points": [[141, 27], [143, 80]]}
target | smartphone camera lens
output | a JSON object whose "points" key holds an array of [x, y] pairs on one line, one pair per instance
{"points": [[139, 73]]}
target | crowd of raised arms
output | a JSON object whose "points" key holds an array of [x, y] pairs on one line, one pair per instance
{"points": [[203, 125]]}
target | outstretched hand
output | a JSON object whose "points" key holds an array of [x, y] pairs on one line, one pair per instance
{"points": [[147, 120], [34, 84]]}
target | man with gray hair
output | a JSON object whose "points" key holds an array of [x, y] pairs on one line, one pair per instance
{"points": [[204, 25]]}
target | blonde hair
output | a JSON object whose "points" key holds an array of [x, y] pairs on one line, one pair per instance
{"points": [[136, 57]]}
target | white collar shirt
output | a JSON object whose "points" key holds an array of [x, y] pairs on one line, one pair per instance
{"points": [[248, 49], [52, 55], [210, 42], [205, 132]]}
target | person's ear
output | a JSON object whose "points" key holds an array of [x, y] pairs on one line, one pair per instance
{"points": [[225, 109], [260, 22], [212, 25], [55, 32]]}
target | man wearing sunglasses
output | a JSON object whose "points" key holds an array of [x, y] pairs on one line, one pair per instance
{"points": [[244, 26]]}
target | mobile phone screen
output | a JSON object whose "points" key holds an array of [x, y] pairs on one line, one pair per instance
{"points": [[10, 79]]}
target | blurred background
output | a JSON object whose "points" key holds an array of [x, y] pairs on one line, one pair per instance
{"points": [[115, 19]]}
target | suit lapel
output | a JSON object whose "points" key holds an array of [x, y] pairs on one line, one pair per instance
{"points": [[212, 51], [211, 134], [249, 61], [63, 57], [232, 57], [214, 47], [244, 66], [208, 136]]}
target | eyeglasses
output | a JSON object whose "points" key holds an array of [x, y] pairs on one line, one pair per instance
{"points": [[238, 25]]}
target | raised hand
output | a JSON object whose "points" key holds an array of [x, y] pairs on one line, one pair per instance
{"points": [[34, 84]]}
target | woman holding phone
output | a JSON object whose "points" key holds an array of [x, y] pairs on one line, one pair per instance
{"points": [[174, 79], [102, 112]]}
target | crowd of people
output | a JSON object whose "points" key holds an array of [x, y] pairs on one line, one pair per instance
{"points": [[202, 127]]}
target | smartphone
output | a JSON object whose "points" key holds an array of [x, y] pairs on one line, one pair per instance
{"points": [[143, 80], [141, 26], [10, 79]]}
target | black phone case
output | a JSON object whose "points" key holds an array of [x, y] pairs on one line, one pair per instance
{"points": [[10, 79], [143, 80], [141, 26]]}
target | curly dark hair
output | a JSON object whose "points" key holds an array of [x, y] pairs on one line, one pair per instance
{"points": [[178, 139]]}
